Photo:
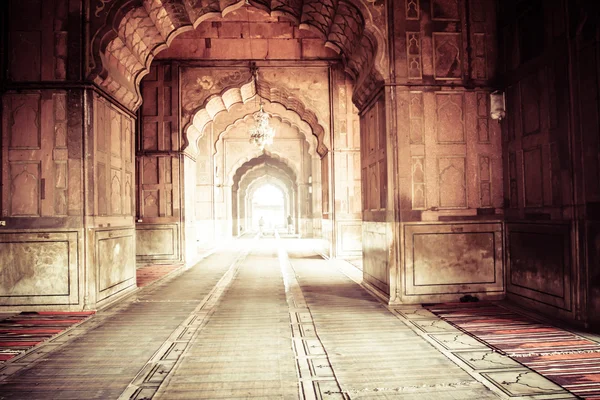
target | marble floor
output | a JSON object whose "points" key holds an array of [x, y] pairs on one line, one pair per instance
{"points": [[270, 320]]}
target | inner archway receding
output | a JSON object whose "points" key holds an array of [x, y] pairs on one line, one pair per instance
{"points": [[268, 209]]}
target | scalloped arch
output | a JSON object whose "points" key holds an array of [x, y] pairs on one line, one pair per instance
{"points": [[216, 104], [266, 158], [249, 188], [310, 139], [128, 34]]}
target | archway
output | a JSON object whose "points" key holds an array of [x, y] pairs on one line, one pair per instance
{"points": [[215, 98], [268, 211], [255, 173], [127, 35]]}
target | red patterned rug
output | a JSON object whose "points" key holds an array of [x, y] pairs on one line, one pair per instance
{"points": [[147, 275], [564, 357], [23, 331]]}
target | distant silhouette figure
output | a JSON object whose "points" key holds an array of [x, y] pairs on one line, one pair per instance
{"points": [[261, 224], [290, 223]]}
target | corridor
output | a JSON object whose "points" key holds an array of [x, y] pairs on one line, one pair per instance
{"points": [[270, 320]]}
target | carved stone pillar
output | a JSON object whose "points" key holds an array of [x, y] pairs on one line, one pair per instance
{"points": [[67, 238], [448, 192], [159, 225]]}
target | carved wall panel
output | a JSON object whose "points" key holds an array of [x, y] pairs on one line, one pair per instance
{"points": [[539, 264], [479, 61], [483, 122], [450, 118], [432, 41], [158, 169], [39, 268], [113, 160], [115, 263], [40, 166], [413, 50], [158, 242], [158, 193], [160, 110], [39, 40], [485, 181], [412, 9], [346, 168], [446, 260], [419, 195], [458, 163], [452, 181], [537, 172], [416, 112], [447, 55], [373, 153]]}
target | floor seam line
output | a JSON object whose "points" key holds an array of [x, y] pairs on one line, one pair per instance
{"points": [[139, 388]]}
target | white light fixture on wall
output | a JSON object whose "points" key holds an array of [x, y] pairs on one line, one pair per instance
{"points": [[497, 105], [261, 134]]}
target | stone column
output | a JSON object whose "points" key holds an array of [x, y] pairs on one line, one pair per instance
{"points": [[346, 173], [159, 226], [67, 240], [445, 178]]}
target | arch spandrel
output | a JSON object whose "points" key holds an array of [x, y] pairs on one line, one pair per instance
{"points": [[127, 34]]}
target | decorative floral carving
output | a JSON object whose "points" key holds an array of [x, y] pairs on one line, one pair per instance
{"points": [[205, 82], [100, 6]]}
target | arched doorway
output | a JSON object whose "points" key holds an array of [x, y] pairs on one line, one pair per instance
{"points": [[267, 211], [126, 175]]}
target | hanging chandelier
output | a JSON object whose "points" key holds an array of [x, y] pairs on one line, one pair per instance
{"points": [[261, 134]]}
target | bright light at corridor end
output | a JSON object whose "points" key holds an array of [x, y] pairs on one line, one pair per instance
{"points": [[268, 212]]}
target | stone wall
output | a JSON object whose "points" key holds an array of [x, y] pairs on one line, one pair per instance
{"points": [[67, 240], [346, 168], [159, 166], [432, 157], [110, 200], [551, 71], [376, 227]]}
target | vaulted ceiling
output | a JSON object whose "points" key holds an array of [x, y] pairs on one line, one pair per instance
{"points": [[128, 34]]}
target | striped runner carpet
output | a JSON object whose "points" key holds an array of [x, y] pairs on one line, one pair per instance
{"points": [[23, 331], [567, 359]]}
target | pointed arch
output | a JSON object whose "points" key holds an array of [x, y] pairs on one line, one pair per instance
{"points": [[206, 113], [126, 35]]}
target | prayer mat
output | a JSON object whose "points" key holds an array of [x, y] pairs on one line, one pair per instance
{"points": [[566, 358], [21, 332]]}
